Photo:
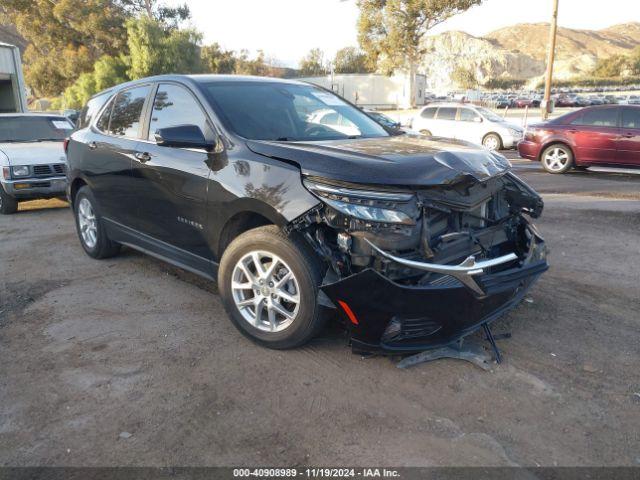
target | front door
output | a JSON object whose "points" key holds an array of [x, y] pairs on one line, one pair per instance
{"points": [[629, 142], [595, 135], [172, 182]]}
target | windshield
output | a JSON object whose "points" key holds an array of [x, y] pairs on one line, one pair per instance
{"points": [[288, 112], [489, 115], [34, 129]]}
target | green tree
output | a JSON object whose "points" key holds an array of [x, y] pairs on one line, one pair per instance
{"points": [[351, 60], [66, 37], [391, 32], [217, 60], [313, 64], [464, 78], [155, 49]]}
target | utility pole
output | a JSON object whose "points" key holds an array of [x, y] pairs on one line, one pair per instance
{"points": [[550, 59]]}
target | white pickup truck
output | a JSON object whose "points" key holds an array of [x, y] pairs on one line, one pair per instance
{"points": [[32, 158]]}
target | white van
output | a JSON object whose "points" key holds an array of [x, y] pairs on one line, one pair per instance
{"points": [[468, 122]]}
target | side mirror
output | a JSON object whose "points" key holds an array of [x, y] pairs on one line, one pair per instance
{"points": [[182, 136], [477, 119]]}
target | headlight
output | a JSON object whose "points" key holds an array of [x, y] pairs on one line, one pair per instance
{"points": [[515, 133], [372, 206], [20, 171]]}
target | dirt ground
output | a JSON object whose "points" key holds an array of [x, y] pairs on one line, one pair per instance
{"points": [[131, 362]]}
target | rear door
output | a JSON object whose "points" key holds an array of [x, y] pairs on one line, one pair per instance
{"points": [[171, 183], [445, 122], [629, 142], [595, 133], [110, 147]]}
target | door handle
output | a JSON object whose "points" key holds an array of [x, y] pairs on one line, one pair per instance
{"points": [[92, 145], [143, 157]]}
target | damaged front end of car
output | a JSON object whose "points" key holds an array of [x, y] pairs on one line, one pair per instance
{"points": [[417, 268]]}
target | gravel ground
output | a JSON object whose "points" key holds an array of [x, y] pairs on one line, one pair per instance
{"points": [[129, 361]]}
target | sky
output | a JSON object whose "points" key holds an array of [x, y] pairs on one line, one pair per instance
{"points": [[288, 29]]}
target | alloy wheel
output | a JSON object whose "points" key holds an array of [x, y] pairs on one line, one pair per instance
{"points": [[491, 143], [265, 291], [87, 223], [556, 159]]}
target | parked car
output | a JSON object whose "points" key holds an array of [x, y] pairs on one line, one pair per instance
{"points": [[503, 102], [414, 242], [32, 158], [468, 122], [382, 119], [606, 135], [331, 119]]}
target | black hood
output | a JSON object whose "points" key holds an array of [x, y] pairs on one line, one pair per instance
{"points": [[407, 160]]}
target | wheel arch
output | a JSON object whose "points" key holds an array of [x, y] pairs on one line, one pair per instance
{"points": [[76, 184], [247, 215]]}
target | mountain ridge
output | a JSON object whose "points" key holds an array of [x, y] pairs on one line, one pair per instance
{"points": [[519, 52]]}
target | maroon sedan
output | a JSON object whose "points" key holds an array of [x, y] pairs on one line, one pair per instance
{"points": [[604, 136]]}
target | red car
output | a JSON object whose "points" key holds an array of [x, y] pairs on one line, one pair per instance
{"points": [[605, 136]]}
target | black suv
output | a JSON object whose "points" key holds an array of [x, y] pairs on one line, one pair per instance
{"points": [[301, 204]]}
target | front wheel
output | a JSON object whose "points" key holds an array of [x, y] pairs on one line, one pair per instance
{"points": [[8, 204], [269, 286], [426, 132], [557, 158]]}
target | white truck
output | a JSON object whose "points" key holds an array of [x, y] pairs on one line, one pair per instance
{"points": [[12, 90]]}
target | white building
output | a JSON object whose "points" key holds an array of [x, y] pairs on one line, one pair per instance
{"points": [[12, 90], [373, 90]]}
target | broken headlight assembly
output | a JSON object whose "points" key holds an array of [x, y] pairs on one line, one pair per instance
{"points": [[365, 205]]}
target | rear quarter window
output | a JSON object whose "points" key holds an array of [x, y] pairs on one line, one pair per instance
{"points": [[91, 109]]}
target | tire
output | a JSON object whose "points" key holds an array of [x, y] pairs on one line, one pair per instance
{"points": [[557, 158], [88, 219], [267, 326], [8, 204], [492, 142], [426, 132]]}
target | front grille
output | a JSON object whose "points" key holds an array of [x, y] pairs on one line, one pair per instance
{"points": [[49, 170], [41, 170]]}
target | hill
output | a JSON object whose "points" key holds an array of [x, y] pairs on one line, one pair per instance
{"points": [[520, 51]]}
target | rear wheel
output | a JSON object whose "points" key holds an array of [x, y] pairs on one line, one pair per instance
{"points": [[8, 204], [269, 286], [91, 230], [557, 158], [492, 142]]}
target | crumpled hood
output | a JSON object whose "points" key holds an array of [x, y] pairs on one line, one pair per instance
{"points": [[33, 153], [407, 160]]}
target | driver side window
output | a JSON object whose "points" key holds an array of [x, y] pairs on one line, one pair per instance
{"points": [[173, 106]]}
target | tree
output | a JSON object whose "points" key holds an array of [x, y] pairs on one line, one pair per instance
{"points": [[217, 60], [391, 32], [351, 60], [155, 49], [66, 37], [313, 64], [464, 78]]}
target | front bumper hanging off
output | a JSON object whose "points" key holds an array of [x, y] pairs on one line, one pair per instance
{"points": [[386, 317]]}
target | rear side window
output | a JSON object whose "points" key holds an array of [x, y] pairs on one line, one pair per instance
{"points": [[468, 115], [126, 116], [631, 118], [91, 109], [598, 117], [429, 113], [174, 106], [447, 113]]}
